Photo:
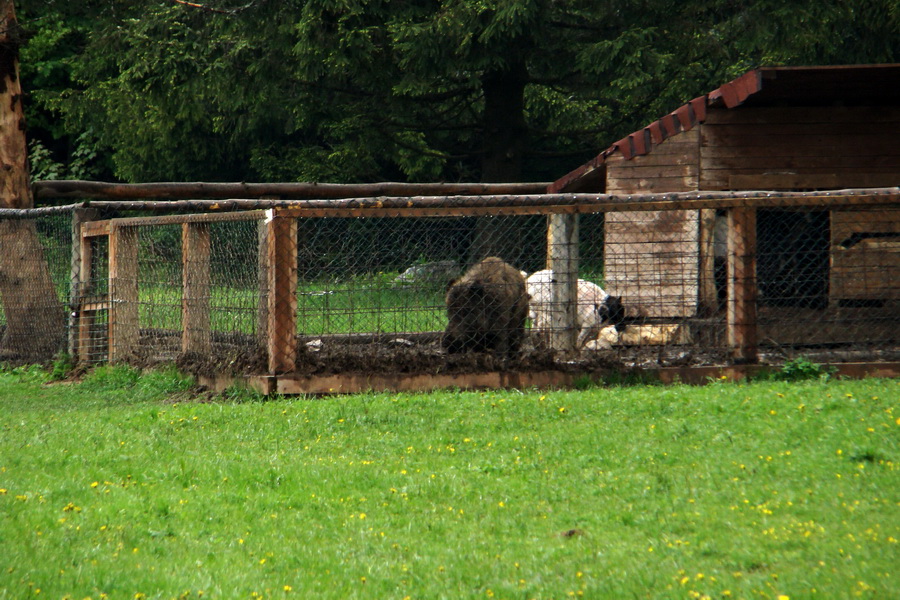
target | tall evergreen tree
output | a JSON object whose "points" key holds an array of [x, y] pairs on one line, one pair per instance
{"points": [[357, 90]]}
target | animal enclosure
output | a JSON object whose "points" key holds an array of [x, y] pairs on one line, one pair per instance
{"points": [[314, 288]]}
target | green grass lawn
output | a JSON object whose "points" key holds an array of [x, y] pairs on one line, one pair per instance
{"points": [[361, 305], [124, 487]]}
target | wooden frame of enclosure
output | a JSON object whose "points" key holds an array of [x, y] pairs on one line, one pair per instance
{"points": [[278, 260]]}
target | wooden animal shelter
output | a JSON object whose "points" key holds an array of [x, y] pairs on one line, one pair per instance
{"points": [[773, 128]]}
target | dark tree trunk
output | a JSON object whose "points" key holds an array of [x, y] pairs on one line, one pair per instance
{"points": [[504, 124], [35, 317], [505, 140]]}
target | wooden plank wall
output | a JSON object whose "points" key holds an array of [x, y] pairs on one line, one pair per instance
{"points": [[804, 148], [652, 257], [865, 255], [838, 147]]}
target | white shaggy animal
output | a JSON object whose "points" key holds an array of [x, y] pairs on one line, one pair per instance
{"points": [[594, 306]]}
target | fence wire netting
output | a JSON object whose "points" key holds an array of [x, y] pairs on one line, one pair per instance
{"points": [[278, 292], [35, 265], [830, 280]]}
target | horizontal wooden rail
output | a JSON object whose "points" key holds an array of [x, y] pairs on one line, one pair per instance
{"points": [[468, 205], [100, 189], [100, 228]]}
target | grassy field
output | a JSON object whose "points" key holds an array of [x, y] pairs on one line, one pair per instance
{"points": [[127, 486], [360, 305]]}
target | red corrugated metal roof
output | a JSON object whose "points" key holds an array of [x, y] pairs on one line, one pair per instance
{"points": [[869, 85]]}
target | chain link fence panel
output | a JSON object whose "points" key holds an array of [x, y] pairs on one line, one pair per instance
{"points": [[337, 291], [35, 264]]}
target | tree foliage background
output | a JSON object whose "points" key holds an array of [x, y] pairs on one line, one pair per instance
{"points": [[356, 90]]}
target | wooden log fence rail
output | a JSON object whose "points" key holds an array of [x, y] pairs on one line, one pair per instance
{"points": [[99, 189], [545, 203], [278, 241]]}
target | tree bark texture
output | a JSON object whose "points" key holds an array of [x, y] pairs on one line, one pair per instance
{"points": [[505, 139], [35, 317]]}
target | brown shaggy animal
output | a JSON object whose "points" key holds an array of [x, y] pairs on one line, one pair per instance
{"points": [[486, 309]]}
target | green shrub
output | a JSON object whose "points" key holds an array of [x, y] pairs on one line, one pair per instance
{"points": [[798, 369], [63, 366]]}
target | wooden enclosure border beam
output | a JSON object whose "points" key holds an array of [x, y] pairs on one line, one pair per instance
{"points": [[355, 383]]}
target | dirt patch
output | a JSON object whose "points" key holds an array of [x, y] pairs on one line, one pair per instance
{"points": [[430, 359], [324, 356], [328, 356], [421, 354]]}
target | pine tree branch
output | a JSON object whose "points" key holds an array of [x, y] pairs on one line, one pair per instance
{"points": [[221, 11]]}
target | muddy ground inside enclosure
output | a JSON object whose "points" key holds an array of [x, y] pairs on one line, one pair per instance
{"points": [[332, 358], [368, 359], [420, 354], [406, 355], [839, 335]]}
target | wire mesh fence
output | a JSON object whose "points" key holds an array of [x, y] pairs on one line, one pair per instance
{"points": [[35, 259], [89, 306], [329, 289], [828, 280]]}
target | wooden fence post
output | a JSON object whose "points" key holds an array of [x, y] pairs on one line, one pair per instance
{"points": [[262, 274], [79, 284], [195, 253], [707, 295], [562, 259], [281, 250], [85, 319], [124, 327], [742, 290]]}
